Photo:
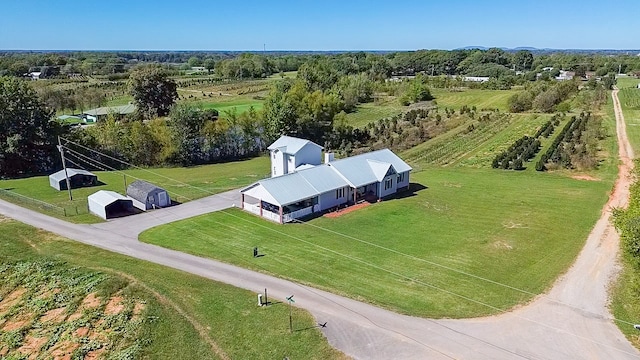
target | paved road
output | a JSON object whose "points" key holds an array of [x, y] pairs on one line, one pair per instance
{"points": [[570, 322]]}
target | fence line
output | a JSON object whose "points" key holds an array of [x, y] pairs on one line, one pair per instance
{"points": [[28, 200]]}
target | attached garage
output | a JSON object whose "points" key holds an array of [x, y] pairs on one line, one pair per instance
{"points": [[109, 204], [77, 178], [147, 196]]}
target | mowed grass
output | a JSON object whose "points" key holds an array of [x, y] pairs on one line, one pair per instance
{"points": [[237, 105], [374, 111], [413, 254], [482, 99], [627, 82], [183, 184], [630, 102], [180, 303]]}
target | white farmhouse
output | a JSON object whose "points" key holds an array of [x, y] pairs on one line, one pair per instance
{"points": [[288, 153], [297, 189]]}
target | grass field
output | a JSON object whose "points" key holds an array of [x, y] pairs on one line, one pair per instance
{"points": [[239, 105], [208, 179], [630, 102], [511, 227], [518, 228], [484, 153], [186, 316], [627, 82], [370, 112], [482, 99]]}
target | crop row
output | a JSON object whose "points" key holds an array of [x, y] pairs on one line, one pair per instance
{"points": [[525, 148], [564, 145]]}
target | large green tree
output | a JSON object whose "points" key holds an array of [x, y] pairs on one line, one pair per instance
{"points": [[153, 92], [27, 133]]}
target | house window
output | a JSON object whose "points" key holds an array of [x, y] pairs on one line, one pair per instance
{"points": [[274, 170], [400, 177], [274, 154], [340, 193], [388, 184]]}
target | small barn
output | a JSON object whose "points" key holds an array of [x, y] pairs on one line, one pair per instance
{"points": [[147, 196], [77, 178], [109, 204]]}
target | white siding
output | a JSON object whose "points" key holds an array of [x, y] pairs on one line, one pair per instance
{"points": [[97, 209], [309, 154], [278, 163], [329, 199], [388, 185], [405, 180]]}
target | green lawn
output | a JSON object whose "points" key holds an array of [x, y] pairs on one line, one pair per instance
{"points": [[482, 99], [627, 82], [518, 228], [240, 105], [207, 180], [370, 112], [226, 317], [630, 102]]}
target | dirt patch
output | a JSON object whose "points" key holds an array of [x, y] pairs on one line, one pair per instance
{"points": [[585, 177], [95, 354], [138, 308], [82, 332], [32, 346], [20, 322], [513, 225], [55, 315], [91, 301], [11, 299], [63, 350], [114, 306], [335, 214]]}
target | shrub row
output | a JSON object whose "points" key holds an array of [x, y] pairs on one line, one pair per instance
{"points": [[520, 151], [564, 145]]}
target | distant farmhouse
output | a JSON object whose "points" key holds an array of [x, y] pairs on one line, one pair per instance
{"points": [[301, 185], [77, 178], [94, 115]]}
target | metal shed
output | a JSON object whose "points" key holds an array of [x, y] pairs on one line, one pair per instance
{"points": [[147, 196], [77, 178], [109, 204]]}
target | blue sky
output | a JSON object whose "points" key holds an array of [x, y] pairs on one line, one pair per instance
{"points": [[316, 25]]}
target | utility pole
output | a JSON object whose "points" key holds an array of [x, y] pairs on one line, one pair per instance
{"points": [[64, 166]]}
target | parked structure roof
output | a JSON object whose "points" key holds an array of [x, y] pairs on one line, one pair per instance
{"points": [[122, 110], [106, 197], [140, 189], [71, 171]]}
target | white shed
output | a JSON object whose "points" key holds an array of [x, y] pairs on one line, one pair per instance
{"points": [[109, 204]]}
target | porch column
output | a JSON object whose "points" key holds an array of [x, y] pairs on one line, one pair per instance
{"points": [[281, 216], [355, 195], [260, 205], [242, 203]]}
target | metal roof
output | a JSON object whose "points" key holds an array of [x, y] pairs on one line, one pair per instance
{"points": [[72, 172], [364, 169], [355, 171], [122, 110], [291, 145], [140, 190], [106, 197]]}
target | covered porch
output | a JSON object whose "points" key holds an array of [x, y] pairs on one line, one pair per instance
{"points": [[277, 212]]}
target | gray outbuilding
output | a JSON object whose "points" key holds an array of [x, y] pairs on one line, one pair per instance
{"points": [[109, 204], [147, 196], [77, 178]]}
